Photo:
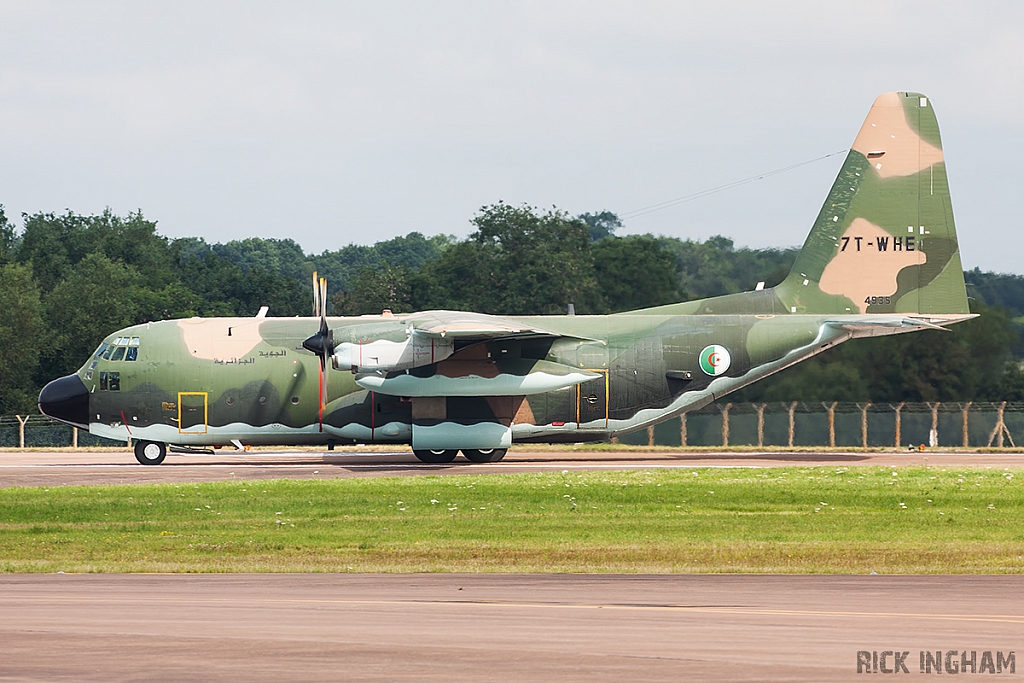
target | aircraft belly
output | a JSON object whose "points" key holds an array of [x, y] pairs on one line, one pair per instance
{"points": [[444, 435]]}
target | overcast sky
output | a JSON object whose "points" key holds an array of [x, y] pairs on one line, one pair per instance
{"points": [[335, 123]]}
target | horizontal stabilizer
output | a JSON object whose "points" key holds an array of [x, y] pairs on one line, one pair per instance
{"points": [[864, 326]]}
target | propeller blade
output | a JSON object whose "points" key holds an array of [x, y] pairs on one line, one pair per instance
{"points": [[320, 418], [321, 343], [323, 299], [316, 295]]}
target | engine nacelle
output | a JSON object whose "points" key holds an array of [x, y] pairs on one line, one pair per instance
{"points": [[414, 352]]}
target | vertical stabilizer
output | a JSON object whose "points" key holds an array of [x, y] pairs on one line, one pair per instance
{"points": [[884, 241]]}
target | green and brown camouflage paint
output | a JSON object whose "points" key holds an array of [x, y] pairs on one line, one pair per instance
{"points": [[881, 258]]}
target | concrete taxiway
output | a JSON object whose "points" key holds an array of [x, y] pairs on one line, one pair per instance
{"points": [[456, 628], [119, 467]]}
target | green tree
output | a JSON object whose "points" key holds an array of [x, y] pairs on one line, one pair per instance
{"points": [[55, 244], [518, 261], [715, 267], [7, 238], [601, 225], [282, 256], [635, 272], [411, 251], [21, 327], [226, 289], [374, 290], [997, 289]]}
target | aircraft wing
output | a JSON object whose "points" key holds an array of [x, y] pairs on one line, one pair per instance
{"points": [[465, 325]]}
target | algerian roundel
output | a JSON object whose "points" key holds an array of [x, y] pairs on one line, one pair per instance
{"points": [[714, 360]]}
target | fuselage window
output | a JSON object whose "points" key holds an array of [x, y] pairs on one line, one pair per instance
{"points": [[118, 353], [132, 353], [103, 381], [115, 381]]}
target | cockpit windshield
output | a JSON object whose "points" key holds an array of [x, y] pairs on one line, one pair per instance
{"points": [[122, 348]]}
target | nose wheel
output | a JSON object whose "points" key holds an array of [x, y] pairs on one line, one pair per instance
{"points": [[150, 452]]}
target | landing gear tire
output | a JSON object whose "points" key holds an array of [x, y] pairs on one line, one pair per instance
{"points": [[150, 452], [436, 457], [484, 454]]}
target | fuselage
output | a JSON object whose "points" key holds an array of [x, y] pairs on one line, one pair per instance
{"points": [[213, 381]]}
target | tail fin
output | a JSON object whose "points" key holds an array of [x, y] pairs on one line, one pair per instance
{"points": [[884, 242]]}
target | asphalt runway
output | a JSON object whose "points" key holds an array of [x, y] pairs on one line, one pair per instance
{"points": [[453, 628], [119, 467]]}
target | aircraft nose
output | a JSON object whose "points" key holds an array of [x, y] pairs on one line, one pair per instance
{"points": [[66, 399]]}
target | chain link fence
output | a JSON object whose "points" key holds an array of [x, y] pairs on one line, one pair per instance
{"points": [[39, 431], [972, 424], [997, 424]]}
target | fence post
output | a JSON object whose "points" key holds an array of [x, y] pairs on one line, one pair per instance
{"points": [[792, 422], [760, 425], [831, 424], [21, 430], [864, 424], [1000, 429], [682, 429], [933, 435], [74, 437], [967, 407], [899, 409], [650, 435], [725, 424]]}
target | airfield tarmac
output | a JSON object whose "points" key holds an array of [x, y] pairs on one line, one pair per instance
{"points": [[62, 468], [458, 627], [482, 627]]}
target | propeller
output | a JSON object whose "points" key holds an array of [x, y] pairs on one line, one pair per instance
{"points": [[321, 343]]}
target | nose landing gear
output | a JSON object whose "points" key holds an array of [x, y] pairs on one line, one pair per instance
{"points": [[150, 452]]}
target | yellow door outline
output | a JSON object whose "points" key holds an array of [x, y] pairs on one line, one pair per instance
{"points": [[206, 412], [579, 397]]}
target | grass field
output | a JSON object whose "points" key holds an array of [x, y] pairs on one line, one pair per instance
{"points": [[826, 520]]}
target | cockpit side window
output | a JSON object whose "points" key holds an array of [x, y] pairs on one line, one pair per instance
{"points": [[132, 353], [101, 349]]}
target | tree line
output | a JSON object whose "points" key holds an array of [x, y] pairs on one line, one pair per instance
{"points": [[68, 280]]}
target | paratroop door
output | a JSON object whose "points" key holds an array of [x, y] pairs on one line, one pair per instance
{"points": [[592, 402], [192, 412]]}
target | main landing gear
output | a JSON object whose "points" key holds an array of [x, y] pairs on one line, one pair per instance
{"points": [[472, 454], [150, 452]]}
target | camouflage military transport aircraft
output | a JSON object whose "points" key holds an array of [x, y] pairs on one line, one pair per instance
{"points": [[882, 258]]}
